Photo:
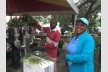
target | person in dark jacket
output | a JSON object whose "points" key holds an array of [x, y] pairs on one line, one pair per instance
{"points": [[15, 53]]}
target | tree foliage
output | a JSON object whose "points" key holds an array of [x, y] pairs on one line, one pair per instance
{"points": [[65, 21], [87, 8]]}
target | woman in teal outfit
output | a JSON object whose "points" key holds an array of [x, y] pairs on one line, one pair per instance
{"points": [[80, 49]]}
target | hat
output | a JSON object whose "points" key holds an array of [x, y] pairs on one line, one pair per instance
{"points": [[84, 20]]}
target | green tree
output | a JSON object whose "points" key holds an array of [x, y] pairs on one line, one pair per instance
{"points": [[89, 9], [65, 21]]}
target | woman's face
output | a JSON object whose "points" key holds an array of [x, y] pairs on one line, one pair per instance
{"points": [[80, 27]]}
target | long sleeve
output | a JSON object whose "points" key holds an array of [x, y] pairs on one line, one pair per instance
{"points": [[53, 39], [43, 29], [38, 26], [86, 53]]}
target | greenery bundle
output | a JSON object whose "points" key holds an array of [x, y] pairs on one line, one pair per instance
{"points": [[33, 59]]}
